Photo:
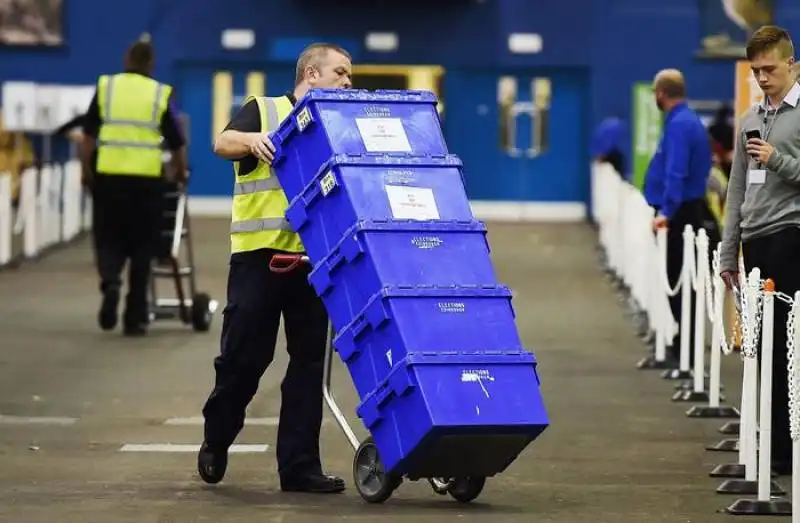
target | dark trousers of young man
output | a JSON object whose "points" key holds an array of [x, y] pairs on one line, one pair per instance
{"points": [[257, 298], [778, 256]]}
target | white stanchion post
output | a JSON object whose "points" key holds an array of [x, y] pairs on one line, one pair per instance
{"points": [[5, 219], [660, 314], [764, 504], [683, 372], [28, 214], [695, 390], [715, 300]]}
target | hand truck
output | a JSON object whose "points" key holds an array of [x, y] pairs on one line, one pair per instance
{"points": [[369, 476], [198, 309]]}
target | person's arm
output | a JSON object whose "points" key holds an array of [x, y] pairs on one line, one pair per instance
{"points": [[175, 140], [236, 140], [676, 168], [91, 129], [784, 165], [731, 232]]}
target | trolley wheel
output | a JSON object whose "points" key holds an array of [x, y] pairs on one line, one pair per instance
{"points": [[369, 477], [465, 490], [201, 316]]}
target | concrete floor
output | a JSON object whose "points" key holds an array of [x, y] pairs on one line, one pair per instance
{"points": [[618, 449]]}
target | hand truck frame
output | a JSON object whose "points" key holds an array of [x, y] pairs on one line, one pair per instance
{"points": [[369, 476], [194, 308]]}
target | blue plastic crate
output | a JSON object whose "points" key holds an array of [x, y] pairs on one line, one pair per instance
{"points": [[326, 122], [355, 187], [455, 415], [400, 320], [376, 254]]}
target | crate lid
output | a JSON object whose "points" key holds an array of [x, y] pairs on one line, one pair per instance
{"points": [[391, 160], [363, 95], [414, 226], [442, 291]]}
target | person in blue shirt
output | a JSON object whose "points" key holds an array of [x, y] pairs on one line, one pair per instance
{"points": [[677, 178]]}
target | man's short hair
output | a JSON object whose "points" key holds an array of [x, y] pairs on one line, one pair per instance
{"points": [[768, 38], [313, 55], [140, 56], [671, 83]]}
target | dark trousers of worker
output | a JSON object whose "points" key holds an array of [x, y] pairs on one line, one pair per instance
{"points": [[696, 214], [778, 256], [257, 298], [126, 226]]}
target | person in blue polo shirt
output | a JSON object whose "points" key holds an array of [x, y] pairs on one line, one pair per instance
{"points": [[677, 178]]}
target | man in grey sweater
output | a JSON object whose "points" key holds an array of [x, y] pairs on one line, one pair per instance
{"points": [[763, 204]]}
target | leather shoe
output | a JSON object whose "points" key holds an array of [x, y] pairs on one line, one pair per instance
{"points": [[314, 483], [212, 463], [107, 317]]}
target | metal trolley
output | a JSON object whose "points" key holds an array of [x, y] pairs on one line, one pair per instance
{"points": [[369, 476], [192, 308]]}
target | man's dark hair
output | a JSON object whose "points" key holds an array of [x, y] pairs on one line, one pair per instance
{"points": [[140, 58], [768, 38]]}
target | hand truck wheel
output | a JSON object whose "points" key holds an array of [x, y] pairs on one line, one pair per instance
{"points": [[465, 490], [201, 315], [372, 482]]}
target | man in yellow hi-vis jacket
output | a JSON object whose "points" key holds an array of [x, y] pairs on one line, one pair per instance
{"points": [[127, 120], [257, 297]]}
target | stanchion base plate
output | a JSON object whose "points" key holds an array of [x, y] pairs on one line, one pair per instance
{"points": [[690, 396], [650, 363], [755, 507], [706, 411], [731, 428], [726, 445], [728, 470], [676, 374], [747, 488]]}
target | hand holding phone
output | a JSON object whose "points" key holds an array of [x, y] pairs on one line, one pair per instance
{"points": [[752, 134]]}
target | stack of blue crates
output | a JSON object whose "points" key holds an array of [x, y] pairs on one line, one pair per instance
{"points": [[426, 331]]}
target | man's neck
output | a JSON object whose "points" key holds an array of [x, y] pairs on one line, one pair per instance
{"points": [[776, 101], [300, 91]]}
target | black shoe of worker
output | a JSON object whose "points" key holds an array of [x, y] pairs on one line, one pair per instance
{"points": [[107, 317], [315, 483], [212, 463], [136, 330]]}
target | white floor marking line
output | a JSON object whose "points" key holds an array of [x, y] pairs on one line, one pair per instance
{"points": [[36, 420], [190, 447], [198, 420]]}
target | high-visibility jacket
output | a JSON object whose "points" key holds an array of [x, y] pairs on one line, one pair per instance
{"points": [[716, 193], [259, 203], [131, 106]]}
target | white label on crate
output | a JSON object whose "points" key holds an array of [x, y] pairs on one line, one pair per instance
{"points": [[385, 135], [426, 242], [452, 306], [303, 118], [389, 357], [412, 203], [327, 183], [477, 376]]}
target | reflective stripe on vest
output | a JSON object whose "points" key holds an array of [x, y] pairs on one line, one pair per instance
{"points": [[259, 204], [130, 143]]}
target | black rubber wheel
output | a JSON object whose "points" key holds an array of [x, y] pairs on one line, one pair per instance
{"points": [[201, 316], [369, 477], [465, 490]]}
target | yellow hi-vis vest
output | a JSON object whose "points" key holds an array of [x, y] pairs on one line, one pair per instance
{"points": [[259, 203], [716, 193], [131, 106]]}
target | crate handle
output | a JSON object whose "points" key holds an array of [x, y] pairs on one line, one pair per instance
{"points": [[311, 193]]}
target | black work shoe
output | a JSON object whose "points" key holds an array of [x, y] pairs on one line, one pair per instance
{"points": [[135, 330], [107, 317], [211, 464], [315, 483]]}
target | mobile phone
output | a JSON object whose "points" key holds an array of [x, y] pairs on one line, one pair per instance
{"points": [[753, 133]]}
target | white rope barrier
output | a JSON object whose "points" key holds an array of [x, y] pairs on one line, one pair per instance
{"points": [[624, 223], [52, 209]]}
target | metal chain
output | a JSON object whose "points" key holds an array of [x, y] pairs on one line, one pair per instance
{"points": [[794, 415], [751, 321]]}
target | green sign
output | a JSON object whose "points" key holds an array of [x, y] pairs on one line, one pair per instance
{"points": [[647, 121]]}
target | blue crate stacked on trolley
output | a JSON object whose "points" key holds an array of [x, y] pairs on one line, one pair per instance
{"points": [[403, 267]]}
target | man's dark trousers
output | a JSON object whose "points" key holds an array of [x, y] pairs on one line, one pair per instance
{"points": [[126, 226], [696, 214], [257, 298], [777, 257]]}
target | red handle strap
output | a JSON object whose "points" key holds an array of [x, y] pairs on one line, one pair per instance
{"points": [[286, 262]]}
